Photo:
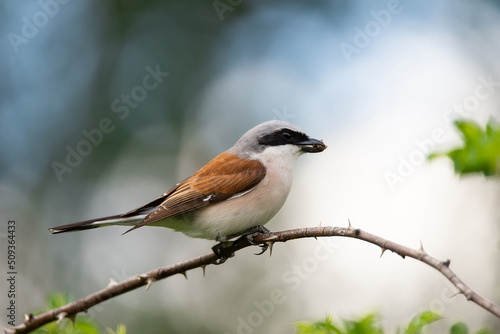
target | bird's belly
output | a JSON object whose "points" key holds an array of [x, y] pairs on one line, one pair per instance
{"points": [[238, 214]]}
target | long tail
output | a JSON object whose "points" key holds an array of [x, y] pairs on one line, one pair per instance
{"points": [[99, 222]]}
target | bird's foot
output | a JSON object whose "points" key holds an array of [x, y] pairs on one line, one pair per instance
{"points": [[221, 251], [247, 236], [252, 232]]}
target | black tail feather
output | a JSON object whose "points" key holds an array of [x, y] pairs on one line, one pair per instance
{"points": [[80, 226]]}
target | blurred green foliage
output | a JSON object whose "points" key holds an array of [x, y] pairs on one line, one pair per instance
{"points": [[461, 328], [366, 325], [120, 330], [420, 321], [480, 152], [82, 325], [369, 324]]}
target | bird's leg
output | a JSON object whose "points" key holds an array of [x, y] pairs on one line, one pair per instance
{"points": [[251, 232], [256, 230]]}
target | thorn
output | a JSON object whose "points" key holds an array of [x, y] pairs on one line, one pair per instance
{"points": [[184, 274], [447, 262], [383, 251], [150, 281], [73, 319], [204, 267], [350, 225], [270, 244], [421, 247], [61, 316], [315, 238], [320, 223], [111, 282], [458, 292], [28, 317]]}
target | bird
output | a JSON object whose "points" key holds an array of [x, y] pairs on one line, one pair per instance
{"points": [[238, 190]]}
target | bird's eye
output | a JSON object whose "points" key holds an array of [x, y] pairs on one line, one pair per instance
{"points": [[286, 135]]}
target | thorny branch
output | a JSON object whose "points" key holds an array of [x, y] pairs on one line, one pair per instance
{"points": [[114, 289]]}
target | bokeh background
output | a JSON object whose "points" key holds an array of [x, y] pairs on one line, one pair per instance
{"points": [[380, 82]]}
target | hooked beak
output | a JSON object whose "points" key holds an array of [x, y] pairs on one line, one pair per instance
{"points": [[312, 145]]}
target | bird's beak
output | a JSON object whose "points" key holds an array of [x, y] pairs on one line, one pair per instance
{"points": [[312, 145]]}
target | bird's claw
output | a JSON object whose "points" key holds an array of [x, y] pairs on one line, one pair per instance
{"points": [[221, 260], [263, 248]]}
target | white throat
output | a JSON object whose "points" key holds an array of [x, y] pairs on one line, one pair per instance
{"points": [[281, 157]]}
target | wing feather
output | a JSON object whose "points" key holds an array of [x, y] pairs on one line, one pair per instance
{"points": [[225, 176]]}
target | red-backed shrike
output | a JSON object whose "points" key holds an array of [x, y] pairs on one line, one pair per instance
{"points": [[241, 188]]}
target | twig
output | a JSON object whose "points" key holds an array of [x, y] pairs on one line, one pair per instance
{"points": [[114, 289]]}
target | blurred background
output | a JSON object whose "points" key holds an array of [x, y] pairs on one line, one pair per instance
{"points": [[104, 105]]}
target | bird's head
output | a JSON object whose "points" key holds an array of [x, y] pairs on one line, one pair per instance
{"points": [[279, 137]]}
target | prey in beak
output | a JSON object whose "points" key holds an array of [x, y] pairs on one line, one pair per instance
{"points": [[312, 145]]}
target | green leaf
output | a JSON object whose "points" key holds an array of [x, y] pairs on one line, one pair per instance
{"points": [[366, 325], [369, 324], [459, 328], [120, 330], [320, 327], [84, 326], [57, 299], [480, 152], [421, 320]]}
